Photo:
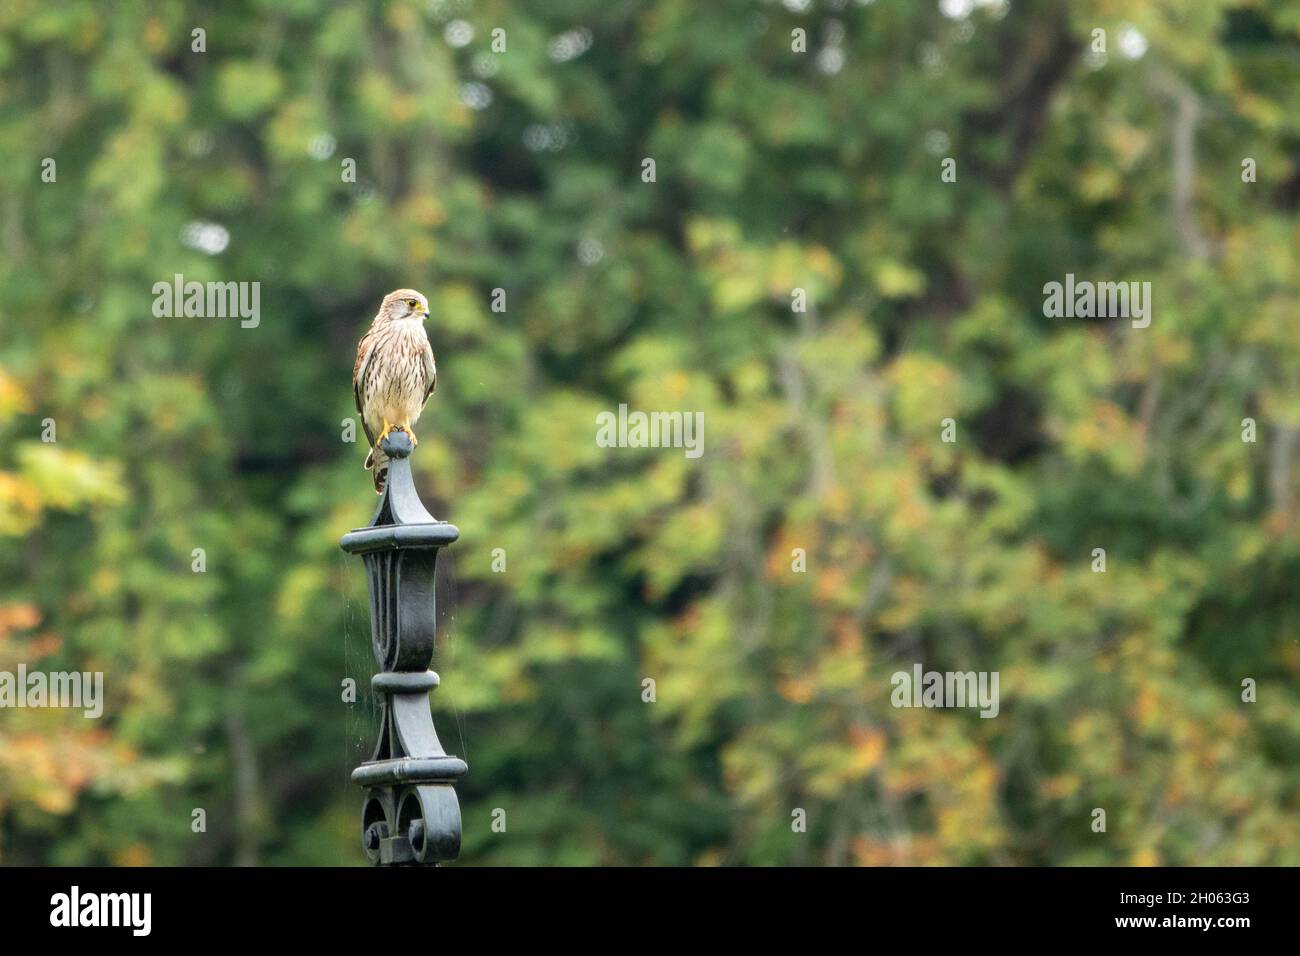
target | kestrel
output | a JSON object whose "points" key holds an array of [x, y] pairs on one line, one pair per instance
{"points": [[394, 375]]}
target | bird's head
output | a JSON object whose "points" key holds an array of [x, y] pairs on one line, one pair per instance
{"points": [[403, 304]]}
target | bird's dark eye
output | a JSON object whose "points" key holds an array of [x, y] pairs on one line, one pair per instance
{"points": [[411, 303]]}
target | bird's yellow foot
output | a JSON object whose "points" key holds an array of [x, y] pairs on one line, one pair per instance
{"points": [[388, 430], [407, 428]]}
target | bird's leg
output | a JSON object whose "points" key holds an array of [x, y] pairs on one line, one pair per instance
{"points": [[388, 430], [406, 427]]}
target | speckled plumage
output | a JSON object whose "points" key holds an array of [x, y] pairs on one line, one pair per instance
{"points": [[394, 373]]}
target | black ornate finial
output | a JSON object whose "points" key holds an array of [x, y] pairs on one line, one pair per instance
{"points": [[411, 814], [397, 444]]}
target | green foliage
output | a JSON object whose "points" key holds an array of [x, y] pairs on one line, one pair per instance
{"points": [[775, 171]]}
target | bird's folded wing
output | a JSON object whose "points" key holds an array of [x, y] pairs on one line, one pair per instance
{"points": [[365, 351], [430, 372]]}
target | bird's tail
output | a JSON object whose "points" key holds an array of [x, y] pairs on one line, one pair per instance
{"points": [[377, 464]]}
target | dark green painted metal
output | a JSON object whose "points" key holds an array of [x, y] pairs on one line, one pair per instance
{"points": [[410, 814]]}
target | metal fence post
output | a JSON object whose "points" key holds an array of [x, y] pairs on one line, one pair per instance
{"points": [[410, 814]]}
